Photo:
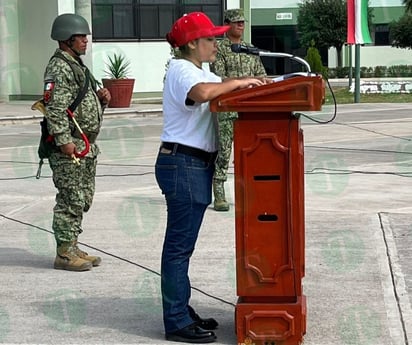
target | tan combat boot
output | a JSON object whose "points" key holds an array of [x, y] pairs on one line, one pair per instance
{"points": [[95, 260], [220, 203], [66, 259]]}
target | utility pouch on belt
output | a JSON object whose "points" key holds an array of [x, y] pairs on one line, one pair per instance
{"points": [[47, 145]]}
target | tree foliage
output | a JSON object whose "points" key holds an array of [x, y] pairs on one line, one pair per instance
{"points": [[324, 22], [408, 5], [401, 31]]}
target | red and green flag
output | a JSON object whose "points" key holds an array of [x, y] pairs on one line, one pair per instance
{"points": [[358, 30]]}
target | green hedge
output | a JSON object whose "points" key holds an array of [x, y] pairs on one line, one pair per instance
{"points": [[396, 71]]}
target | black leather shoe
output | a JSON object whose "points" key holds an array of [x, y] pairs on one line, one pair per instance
{"points": [[192, 334], [208, 324]]}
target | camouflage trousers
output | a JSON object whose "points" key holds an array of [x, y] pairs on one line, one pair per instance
{"points": [[75, 186], [225, 137]]}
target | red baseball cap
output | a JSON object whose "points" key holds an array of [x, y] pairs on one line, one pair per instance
{"points": [[193, 26]]}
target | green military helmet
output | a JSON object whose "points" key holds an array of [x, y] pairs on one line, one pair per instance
{"points": [[69, 24]]}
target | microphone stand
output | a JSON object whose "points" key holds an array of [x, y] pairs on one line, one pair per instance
{"points": [[239, 48], [290, 56]]}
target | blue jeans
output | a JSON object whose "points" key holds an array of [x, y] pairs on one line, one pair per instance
{"points": [[186, 183]]}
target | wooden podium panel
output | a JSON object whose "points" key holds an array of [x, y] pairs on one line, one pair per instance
{"points": [[271, 323], [269, 207], [269, 203]]}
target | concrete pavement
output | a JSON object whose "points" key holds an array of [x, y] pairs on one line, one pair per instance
{"points": [[358, 235]]}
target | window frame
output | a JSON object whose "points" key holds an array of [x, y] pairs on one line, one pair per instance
{"points": [[134, 29]]}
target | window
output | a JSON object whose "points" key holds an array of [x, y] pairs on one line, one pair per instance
{"points": [[382, 35], [145, 19]]}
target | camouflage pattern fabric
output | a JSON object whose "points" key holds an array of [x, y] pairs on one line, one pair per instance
{"points": [[75, 184], [231, 65], [225, 135], [234, 15], [66, 81]]}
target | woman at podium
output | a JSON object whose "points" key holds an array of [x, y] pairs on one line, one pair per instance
{"points": [[185, 165]]}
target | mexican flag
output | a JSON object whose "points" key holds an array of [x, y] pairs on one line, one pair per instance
{"points": [[358, 30]]}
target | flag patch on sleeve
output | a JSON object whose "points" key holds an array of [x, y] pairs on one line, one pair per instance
{"points": [[48, 91]]}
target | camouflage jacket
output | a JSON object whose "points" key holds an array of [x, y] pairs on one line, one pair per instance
{"points": [[62, 83], [229, 64]]}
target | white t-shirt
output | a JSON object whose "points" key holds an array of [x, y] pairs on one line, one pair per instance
{"points": [[191, 125]]}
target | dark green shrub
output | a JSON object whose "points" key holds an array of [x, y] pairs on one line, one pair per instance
{"points": [[398, 71], [380, 71], [366, 72], [314, 60], [332, 73], [342, 72], [325, 72]]}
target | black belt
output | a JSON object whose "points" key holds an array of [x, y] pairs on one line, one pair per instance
{"points": [[191, 151]]}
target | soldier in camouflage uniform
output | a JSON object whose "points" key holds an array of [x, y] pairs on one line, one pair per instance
{"points": [[75, 183], [228, 65]]}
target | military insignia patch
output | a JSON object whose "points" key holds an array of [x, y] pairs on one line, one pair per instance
{"points": [[48, 91]]}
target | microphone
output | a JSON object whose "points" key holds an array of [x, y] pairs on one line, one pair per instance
{"points": [[241, 48]]}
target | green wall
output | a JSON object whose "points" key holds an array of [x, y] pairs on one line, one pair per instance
{"points": [[35, 44]]}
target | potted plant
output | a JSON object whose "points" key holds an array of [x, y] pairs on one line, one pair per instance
{"points": [[117, 81]]}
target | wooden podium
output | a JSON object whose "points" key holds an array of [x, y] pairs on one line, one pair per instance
{"points": [[269, 206]]}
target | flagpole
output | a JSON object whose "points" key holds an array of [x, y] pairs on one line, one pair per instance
{"points": [[357, 73], [350, 65], [357, 33]]}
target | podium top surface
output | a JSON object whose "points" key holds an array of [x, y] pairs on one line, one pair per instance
{"points": [[299, 93]]}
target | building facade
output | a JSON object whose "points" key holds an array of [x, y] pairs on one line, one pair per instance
{"points": [[136, 28], [274, 28]]}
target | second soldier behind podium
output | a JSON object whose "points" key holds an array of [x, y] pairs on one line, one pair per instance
{"points": [[228, 65]]}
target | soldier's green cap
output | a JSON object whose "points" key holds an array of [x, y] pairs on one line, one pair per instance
{"points": [[234, 15]]}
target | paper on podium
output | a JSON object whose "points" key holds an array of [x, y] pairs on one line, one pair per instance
{"points": [[295, 74]]}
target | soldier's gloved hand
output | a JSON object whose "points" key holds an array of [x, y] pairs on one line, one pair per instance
{"points": [[104, 95], [68, 149]]}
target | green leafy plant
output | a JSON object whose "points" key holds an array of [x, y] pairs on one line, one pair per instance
{"points": [[314, 60], [118, 67]]}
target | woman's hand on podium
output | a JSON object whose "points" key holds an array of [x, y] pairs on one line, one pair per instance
{"points": [[267, 80]]}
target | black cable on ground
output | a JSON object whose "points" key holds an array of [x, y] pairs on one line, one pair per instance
{"points": [[116, 257]]}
